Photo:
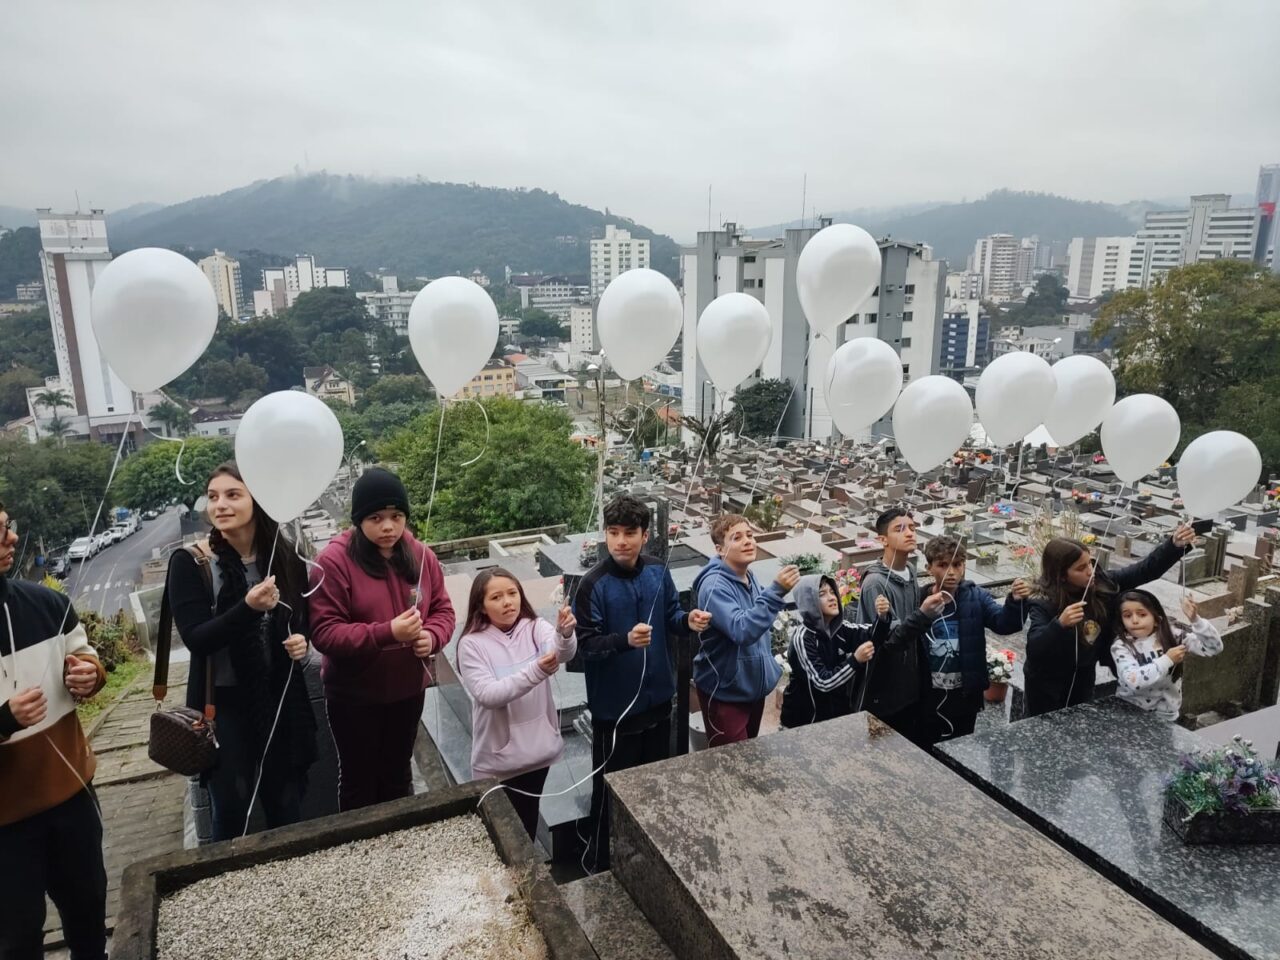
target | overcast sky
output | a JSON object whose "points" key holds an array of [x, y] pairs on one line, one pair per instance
{"points": [[640, 106]]}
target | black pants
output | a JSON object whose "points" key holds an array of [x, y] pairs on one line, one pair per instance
{"points": [[645, 741], [230, 783], [58, 851], [375, 749], [527, 807], [947, 714]]}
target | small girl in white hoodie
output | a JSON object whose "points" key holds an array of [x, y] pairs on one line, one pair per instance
{"points": [[1149, 655], [505, 656]]}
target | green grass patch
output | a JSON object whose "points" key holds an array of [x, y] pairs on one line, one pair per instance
{"points": [[118, 680]]}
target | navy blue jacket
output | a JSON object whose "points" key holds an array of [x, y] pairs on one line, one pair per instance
{"points": [[976, 611], [610, 601]]}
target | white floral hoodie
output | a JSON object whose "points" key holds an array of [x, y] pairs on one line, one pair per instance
{"points": [[1146, 676]]}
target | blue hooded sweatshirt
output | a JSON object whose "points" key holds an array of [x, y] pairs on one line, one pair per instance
{"points": [[736, 661]]}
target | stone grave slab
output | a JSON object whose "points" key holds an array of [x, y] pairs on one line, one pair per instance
{"points": [[842, 840], [1092, 778]]}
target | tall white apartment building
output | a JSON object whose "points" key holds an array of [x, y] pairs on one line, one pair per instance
{"points": [[582, 328], [1268, 196], [1098, 265], [614, 253], [281, 286], [996, 259], [224, 276], [1209, 229]]}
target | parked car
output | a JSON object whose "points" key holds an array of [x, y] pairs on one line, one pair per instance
{"points": [[104, 539], [83, 548], [150, 514], [59, 566]]}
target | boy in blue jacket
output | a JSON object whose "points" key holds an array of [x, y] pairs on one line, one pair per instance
{"points": [[627, 609], [956, 642], [734, 670]]}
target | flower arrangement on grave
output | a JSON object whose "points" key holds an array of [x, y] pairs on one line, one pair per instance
{"points": [[780, 634], [1089, 539], [807, 562], [1224, 795], [588, 553], [848, 584], [999, 665]]}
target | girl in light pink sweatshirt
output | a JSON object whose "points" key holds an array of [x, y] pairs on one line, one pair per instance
{"points": [[505, 657]]}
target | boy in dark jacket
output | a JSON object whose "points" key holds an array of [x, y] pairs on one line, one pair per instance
{"points": [[627, 609], [826, 654], [956, 642], [896, 679]]}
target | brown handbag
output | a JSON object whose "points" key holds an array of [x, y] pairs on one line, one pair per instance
{"points": [[182, 740]]}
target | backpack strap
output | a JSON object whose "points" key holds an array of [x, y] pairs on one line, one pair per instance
{"points": [[202, 554]]}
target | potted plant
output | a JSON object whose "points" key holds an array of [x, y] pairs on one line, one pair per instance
{"points": [[987, 557], [999, 673], [1224, 795]]}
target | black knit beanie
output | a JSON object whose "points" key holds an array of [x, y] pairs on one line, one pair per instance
{"points": [[377, 489]]}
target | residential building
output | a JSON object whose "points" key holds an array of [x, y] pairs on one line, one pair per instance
{"points": [[480, 278], [74, 252], [281, 286], [1049, 341], [391, 306], [965, 343], [497, 379], [328, 384], [1098, 265], [614, 253], [582, 328], [996, 259], [540, 381], [30, 291], [224, 276], [1268, 195], [508, 328], [1209, 229], [964, 285], [905, 311], [1028, 261], [554, 295], [215, 420]]}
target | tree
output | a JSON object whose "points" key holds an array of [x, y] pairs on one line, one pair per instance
{"points": [[272, 344], [148, 480], [27, 340], [1207, 339], [13, 391], [760, 407], [641, 425], [58, 429], [52, 399], [328, 310], [397, 388], [494, 493], [1046, 303], [540, 324], [53, 490], [177, 420], [711, 431]]}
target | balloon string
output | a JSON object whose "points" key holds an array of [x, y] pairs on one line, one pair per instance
{"points": [[308, 563], [115, 465], [775, 435], [177, 464]]}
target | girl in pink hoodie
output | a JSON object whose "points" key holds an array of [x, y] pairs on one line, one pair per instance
{"points": [[505, 656]]}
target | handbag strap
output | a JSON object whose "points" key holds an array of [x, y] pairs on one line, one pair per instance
{"points": [[202, 554]]}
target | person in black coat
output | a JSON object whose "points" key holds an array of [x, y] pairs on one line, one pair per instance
{"points": [[1073, 613], [249, 631]]}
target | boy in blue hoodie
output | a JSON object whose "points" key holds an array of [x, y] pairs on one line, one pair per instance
{"points": [[734, 671], [956, 642], [627, 609]]}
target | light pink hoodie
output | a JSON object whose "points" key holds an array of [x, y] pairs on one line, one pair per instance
{"points": [[514, 726]]}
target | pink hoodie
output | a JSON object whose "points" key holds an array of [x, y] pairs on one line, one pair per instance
{"points": [[514, 726], [351, 614]]}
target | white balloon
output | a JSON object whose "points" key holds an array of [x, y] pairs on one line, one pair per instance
{"points": [[639, 319], [864, 378], [453, 328], [1217, 471], [734, 334], [1086, 391], [931, 420], [837, 271], [153, 314], [1138, 434], [288, 448], [1014, 394]]}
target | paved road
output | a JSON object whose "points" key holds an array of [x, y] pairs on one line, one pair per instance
{"points": [[105, 582]]}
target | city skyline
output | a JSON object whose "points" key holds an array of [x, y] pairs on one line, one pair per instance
{"points": [[870, 107]]}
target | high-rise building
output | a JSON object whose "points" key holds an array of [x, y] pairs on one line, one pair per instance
{"points": [[281, 286], [391, 306], [224, 277], [1210, 229], [1028, 258], [582, 328], [996, 259], [1268, 195], [616, 252], [73, 254], [904, 311], [1098, 265]]}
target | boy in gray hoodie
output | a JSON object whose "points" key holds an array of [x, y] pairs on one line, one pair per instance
{"points": [[898, 675]]}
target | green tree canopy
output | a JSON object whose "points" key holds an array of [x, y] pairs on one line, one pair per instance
{"points": [[148, 481], [539, 323], [1207, 339], [531, 474], [13, 391], [53, 491], [27, 341], [759, 407], [397, 388]]}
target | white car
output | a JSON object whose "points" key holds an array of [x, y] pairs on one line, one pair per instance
{"points": [[104, 539], [82, 549]]}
